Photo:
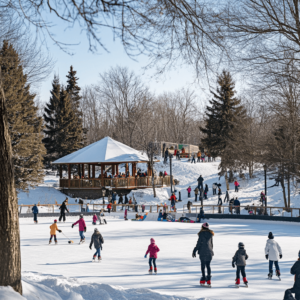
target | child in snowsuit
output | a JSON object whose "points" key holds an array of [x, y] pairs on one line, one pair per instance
{"points": [[97, 240], [82, 228], [95, 218], [189, 189], [273, 253], [239, 259], [295, 270], [53, 229], [152, 249]]}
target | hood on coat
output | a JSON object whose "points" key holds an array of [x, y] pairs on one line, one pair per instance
{"points": [[152, 240], [206, 229]]}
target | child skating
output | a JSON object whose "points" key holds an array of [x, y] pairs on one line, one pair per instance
{"points": [[53, 229], [273, 253], [82, 228], [95, 219], [97, 240], [152, 249], [239, 259]]}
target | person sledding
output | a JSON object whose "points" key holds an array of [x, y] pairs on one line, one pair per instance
{"points": [[53, 229], [82, 228]]}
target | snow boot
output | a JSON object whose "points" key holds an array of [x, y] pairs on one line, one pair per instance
{"points": [[237, 282], [270, 275], [208, 281], [202, 280], [155, 271], [245, 281], [150, 271]]}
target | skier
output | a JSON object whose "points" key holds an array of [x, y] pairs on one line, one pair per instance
{"points": [[35, 212], [196, 190], [97, 240], [204, 248], [53, 229], [295, 270], [239, 259], [95, 218], [152, 249], [82, 228], [63, 208], [189, 189], [273, 253], [200, 182], [236, 186]]}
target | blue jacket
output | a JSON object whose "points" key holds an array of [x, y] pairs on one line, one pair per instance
{"points": [[114, 196], [236, 202], [35, 210]]}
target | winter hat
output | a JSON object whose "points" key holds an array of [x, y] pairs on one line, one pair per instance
{"points": [[81, 216], [271, 236], [96, 229], [205, 225], [152, 240], [55, 221], [241, 245]]}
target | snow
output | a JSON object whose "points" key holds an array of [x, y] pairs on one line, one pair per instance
{"points": [[7, 293]]}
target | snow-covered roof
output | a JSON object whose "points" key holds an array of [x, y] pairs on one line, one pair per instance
{"points": [[106, 150]]}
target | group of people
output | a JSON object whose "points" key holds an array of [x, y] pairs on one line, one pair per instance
{"points": [[202, 157]]}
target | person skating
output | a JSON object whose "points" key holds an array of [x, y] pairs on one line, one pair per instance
{"points": [[97, 240], [53, 229], [63, 208], [95, 219], [273, 253], [82, 228], [196, 190], [200, 182], [239, 259], [204, 248], [295, 270], [189, 189], [236, 186], [153, 250], [35, 212]]}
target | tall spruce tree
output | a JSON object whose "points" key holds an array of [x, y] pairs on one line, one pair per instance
{"points": [[24, 124], [51, 121], [74, 91]]}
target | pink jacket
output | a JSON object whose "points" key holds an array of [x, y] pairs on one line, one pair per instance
{"points": [[81, 224], [189, 189], [152, 249], [236, 183], [95, 218]]}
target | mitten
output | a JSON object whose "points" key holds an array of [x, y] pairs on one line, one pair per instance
{"points": [[84, 229], [91, 247], [233, 265], [146, 256], [194, 254], [72, 225], [59, 230], [280, 256], [267, 256]]}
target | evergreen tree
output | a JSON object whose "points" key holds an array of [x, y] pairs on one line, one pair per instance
{"points": [[51, 121], [24, 124], [74, 91]]}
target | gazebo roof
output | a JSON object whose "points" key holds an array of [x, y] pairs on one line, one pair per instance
{"points": [[106, 150]]}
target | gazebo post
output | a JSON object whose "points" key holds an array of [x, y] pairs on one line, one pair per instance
{"points": [[83, 175], [89, 171], [102, 174], [93, 171], [79, 173], [149, 171], [60, 171], [69, 174], [117, 169], [126, 168]]}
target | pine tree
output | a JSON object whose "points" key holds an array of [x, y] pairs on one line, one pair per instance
{"points": [[51, 121], [24, 124], [74, 91]]}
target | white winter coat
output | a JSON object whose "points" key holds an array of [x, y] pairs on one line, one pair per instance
{"points": [[273, 250]]}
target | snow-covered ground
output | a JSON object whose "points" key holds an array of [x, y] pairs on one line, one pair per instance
{"points": [[67, 270]]}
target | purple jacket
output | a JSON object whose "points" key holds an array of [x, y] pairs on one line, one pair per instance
{"points": [[81, 224]]}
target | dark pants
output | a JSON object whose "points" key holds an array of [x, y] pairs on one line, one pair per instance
{"points": [[271, 265], [236, 188], [240, 269], [288, 294], [35, 217], [98, 252], [189, 195], [205, 195], [196, 197], [198, 159], [52, 237], [193, 160], [200, 185], [108, 210], [62, 217], [226, 198], [214, 191], [152, 259], [237, 210], [220, 210], [205, 264]]}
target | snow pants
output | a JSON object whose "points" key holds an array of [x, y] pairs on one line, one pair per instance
{"points": [[196, 197], [62, 216], [271, 265], [240, 269], [189, 195], [288, 294], [205, 264], [152, 259], [193, 160], [214, 191], [35, 217]]}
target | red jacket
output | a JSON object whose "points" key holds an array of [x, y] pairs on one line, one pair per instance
{"points": [[173, 197], [109, 206], [236, 183], [153, 249]]}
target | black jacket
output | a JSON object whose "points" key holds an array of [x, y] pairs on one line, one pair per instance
{"points": [[206, 189], [204, 245], [220, 201], [295, 270], [200, 179], [63, 208], [126, 200], [97, 240], [240, 257]]}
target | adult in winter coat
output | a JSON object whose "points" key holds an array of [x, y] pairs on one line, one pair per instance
{"points": [[198, 156], [97, 240], [204, 248], [220, 204], [214, 188], [295, 270], [205, 191], [196, 190], [226, 196], [236, 186], [237, 205], [200, 182], [82, 228], [63, 208], [239, 259], [153, 250], [35, 212], [273, 253]]}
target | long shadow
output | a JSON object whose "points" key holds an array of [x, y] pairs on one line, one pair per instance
{"points": [[72, 263]]}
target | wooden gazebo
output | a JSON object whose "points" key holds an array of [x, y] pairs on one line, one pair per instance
{"points": [[106, 154]]}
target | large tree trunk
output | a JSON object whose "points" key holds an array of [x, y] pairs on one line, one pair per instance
{"points": [[153, 183], [289, 189], [226, 180], [10, 256]]}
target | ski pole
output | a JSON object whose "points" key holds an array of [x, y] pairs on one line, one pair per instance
{"points": [[69, 241]]}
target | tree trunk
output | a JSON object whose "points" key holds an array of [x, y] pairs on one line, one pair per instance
{"points": [[289, 189], [226, 180], [153, 183], [10, 256], [283, 190]]}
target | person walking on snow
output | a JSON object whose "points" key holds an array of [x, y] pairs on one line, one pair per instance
{"points": [[295, 270], [220, 204], [205, 191], [189, 189], [173, 200], [35, 212], [53, 229], [97, 240], [109, 207], [82, 228], [153, 250], [204, 248], [193, 158], [214, 188], [196, 190], [239, 259], [200, 182], [198, 156], [273, 253], [236, 186], [63, 208], [226, 196], [95, 219]]}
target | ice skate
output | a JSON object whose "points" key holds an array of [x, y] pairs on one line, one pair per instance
{"points": [[270, 275], [99, 259], [202, 281], [155, 271], [55, 242], [94, 258], [278, 274], [245, 281], [49, 242], [150, 271], [208, 281], [237, 282]]}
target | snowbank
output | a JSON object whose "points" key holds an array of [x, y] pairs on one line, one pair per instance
{"points": [[7, 293]]}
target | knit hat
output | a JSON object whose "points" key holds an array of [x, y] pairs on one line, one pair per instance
{"points": [[205, 225], [241, 245], [152, 240], [55, 221], [271, 236], [96, 229], [81, 216]]}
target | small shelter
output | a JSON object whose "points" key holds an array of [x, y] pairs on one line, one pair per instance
{"points": [[106, 156]]}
